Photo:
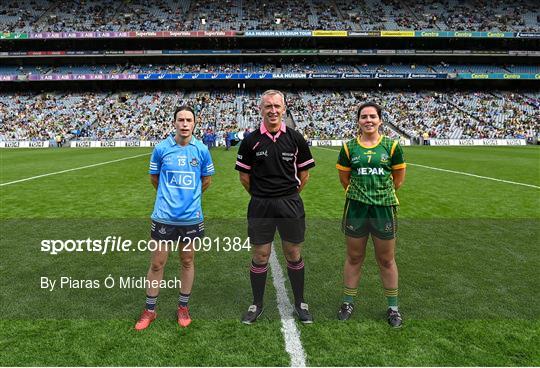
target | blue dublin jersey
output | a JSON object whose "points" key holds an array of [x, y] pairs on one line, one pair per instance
{"points": [[179, 192]]}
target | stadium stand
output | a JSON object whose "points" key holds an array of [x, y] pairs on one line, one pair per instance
{"points": [[469, 68], [318, 114], [265, 68], [136, 15], [535, 69], [40, 117]]}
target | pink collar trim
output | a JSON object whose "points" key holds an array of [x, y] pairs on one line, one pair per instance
{"points": [[263, 129]]}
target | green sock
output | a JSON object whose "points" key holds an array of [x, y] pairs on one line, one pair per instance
{"points": [[349, 294], [392, 298]]}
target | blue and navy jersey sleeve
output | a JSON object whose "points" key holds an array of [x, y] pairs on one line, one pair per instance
{"points": [[155, 162], [207, 168]]}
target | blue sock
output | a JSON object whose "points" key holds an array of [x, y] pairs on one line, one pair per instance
{"points": [[183, 299], [151, 302]]}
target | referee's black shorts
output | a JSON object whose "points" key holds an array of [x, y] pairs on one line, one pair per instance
{"points": [[284, 213]]}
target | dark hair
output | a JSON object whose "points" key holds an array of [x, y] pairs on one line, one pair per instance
{"points": [[184, 108], [369, 104]]}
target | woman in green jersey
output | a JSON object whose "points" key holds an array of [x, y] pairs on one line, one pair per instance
{"points": [[371, 169]]}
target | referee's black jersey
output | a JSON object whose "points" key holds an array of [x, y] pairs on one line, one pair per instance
{"points": [[273, 160]]}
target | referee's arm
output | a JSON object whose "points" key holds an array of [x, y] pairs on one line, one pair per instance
{"points": [[305, 160], [244, 179], [244, 161], [304, 177]]}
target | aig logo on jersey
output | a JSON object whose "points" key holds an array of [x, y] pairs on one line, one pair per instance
{"points": [[181, 179]]}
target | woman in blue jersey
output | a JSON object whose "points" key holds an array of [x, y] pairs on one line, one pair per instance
{"points": [[180, 171]]}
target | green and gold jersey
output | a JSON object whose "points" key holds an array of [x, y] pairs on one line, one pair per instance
{"points": [[371, 170]]}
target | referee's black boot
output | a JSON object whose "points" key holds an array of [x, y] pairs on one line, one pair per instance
{"points": [[253, 312], [302, 311]]}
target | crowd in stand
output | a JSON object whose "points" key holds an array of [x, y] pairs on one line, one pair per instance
{"points": [[41, 117], [160, 15], [306, 68], [317, 114]]}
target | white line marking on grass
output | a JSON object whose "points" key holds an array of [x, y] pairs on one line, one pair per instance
{"points": [[68, 170], [290, 332], [476, 176], [459, 173]]}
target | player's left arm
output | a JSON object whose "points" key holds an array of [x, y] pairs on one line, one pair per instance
{"points": [[398, 165], [155, 167], [154, 179], [344, 167], [399, 177], [344, 179], [207, 169], [206, 181]]}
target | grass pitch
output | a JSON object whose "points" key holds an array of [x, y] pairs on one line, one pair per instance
{"points": [[467, 256]]}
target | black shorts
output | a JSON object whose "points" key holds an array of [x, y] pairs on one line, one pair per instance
{"points": [[284, 213], [161, 231]]}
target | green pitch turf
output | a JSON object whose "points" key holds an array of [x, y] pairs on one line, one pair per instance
{"points": [[467, 256]]}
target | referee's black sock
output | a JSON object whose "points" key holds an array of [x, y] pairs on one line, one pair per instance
{"points": [[257, 274], [296, 276]]}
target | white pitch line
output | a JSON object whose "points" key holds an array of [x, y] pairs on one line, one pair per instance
{"points": [[290, 332], [68, 170], [460, 173], [475, 176]]}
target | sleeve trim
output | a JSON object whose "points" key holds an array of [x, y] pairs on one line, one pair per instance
{"points": [[399, 166], [342, 168], [346, 150], [394, 145], [243, 166], [305, 163]]}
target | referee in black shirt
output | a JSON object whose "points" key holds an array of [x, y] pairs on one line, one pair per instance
{"points": [[273, 162]]}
